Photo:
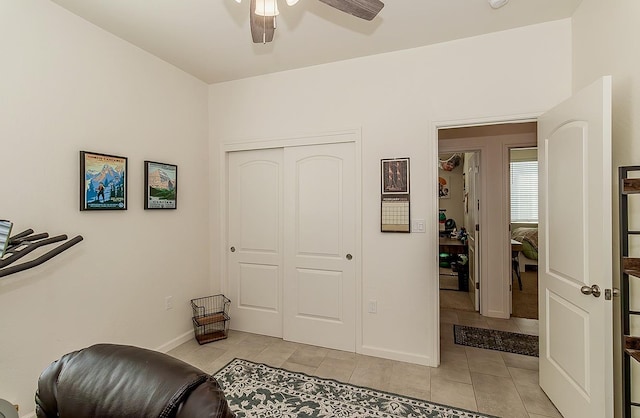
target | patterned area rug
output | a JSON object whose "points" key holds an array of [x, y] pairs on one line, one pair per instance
{"points": [[258, 390], [492, 339]]}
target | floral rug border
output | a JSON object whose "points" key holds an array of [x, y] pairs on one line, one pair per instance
{"points": [[258, 390], [491, 339]]}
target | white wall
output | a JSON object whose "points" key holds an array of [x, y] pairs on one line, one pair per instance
{"points": [[397, 99], [605, 36], [66, 86]]}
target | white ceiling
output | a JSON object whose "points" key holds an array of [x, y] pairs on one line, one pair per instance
{"points": [[211, 39]]}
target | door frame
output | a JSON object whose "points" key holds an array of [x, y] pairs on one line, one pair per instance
{"points": [[435, 149], [507, 151], [323, 138]]}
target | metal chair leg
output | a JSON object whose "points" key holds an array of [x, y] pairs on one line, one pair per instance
{"points": [[515, 265]]}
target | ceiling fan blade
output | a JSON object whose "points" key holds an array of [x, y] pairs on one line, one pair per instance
{"points": [[364, 9], [262, 27]]}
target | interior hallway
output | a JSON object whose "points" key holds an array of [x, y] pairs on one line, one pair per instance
{"points": [[487, 381]]}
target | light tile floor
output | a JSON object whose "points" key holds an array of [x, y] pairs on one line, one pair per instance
{"points": [[491, 382]]}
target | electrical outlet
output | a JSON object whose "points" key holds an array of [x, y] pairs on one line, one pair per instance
{"points": [[168, 302], [373, 306]]}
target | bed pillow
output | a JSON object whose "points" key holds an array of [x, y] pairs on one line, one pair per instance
{"points": [[529, 239]]}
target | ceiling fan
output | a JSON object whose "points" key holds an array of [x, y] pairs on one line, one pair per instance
{"points": [[262, 14]]}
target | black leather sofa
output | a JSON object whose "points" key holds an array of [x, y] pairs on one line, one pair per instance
{"points": [[109, 381]]}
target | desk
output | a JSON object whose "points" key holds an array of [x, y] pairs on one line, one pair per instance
{"points": [[454, 246], [516, 247]]}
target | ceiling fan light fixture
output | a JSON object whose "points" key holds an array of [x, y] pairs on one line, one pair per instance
{"points": [[291, 2], [496, 4], [267, 8]]}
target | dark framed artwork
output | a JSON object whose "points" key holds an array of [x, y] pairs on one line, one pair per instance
{"points": [[395, 176], [160, 185], [103, 181]]}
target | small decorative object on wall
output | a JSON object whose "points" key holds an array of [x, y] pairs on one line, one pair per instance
{"points": [[395, 201], [395, 175], [444, 183], [103, 181], [160, 185]]}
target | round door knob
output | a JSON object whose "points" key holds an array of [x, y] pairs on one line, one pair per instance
{"points": [[233, 249], [591, 290], [349, 256]]}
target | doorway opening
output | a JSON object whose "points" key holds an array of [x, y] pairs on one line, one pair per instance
{"points": [[523, 203], [458, 183], [484, 202]]}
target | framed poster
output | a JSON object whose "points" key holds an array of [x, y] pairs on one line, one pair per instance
{"points": [[160, 185], [395, 176], [103, 181], [444, 186]]}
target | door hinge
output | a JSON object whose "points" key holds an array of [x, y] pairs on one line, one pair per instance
{"points": [[477, 227], [477, 286]]}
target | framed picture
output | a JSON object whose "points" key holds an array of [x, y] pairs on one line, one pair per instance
{"points": [[395, 176], [103, 181], [444, 186], [160, 185]]}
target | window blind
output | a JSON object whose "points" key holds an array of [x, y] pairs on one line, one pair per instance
{"points": [[524, 191]]}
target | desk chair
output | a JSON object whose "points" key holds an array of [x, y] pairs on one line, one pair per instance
{"points": [[515, 266]]}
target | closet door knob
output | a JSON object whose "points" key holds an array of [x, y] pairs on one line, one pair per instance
{"points": [[233, 249], [349, 256]]}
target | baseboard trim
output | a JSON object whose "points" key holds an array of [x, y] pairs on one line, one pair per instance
{"points": [[168, 346], [398, 356]]}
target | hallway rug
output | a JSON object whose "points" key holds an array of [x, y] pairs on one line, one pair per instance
{"points": [[258, 390], [491, 339]]}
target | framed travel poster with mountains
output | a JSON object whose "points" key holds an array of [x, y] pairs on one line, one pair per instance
{"points": [[160, 185], [103, 181]]}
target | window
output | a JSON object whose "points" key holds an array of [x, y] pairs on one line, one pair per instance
{"points": [[524, 186]]}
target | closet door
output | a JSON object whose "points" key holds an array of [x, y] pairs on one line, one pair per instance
{"points": [[255, 246], [320, 219]]}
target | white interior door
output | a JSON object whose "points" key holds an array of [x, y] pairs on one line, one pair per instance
{"points": [[320, 258], [473, 207], [255, 250], [576, 342]]}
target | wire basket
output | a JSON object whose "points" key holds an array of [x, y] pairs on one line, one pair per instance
{"points": [[210, 318]]}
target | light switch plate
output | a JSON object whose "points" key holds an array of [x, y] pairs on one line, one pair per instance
{"points": [[418, 225]]}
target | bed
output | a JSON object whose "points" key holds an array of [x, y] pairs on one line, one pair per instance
{"points": [[528, 236]]}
